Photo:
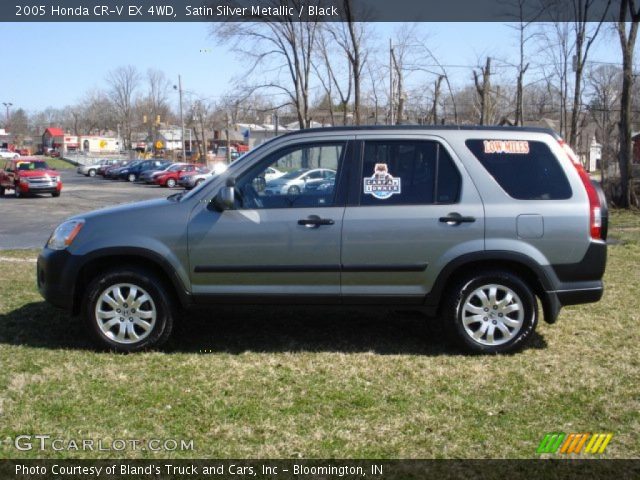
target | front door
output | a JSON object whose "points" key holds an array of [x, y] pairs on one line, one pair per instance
{"points": [[278, 240]]}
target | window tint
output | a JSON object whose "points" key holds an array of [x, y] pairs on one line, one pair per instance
{"points": [[525, 170], [305, 182], [401, 172]]}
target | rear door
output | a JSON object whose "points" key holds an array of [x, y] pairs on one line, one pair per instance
{"points": [[412, 208]]}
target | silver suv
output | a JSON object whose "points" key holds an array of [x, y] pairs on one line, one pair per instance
{"points": [[473, 225]]}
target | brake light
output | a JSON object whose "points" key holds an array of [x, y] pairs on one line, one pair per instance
{"points": [[595, 209]]}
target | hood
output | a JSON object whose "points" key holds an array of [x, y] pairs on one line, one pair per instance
{"points": [[38, 173], [123, 209]]}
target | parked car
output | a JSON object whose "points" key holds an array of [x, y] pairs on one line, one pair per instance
{"points": [[194, 179], [147, 176], [114, 173], [131, 172], [104, 169], [475, 225], [169, 178], [54, 153], [4, 154], [295, 181], [27, 176], [91, 170]]}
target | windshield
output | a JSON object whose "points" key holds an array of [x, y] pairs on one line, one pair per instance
{"points": [[36, 165], [294, 174]]}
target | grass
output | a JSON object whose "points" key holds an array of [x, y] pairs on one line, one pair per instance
{"points": [[287, 383], [59, 163]]}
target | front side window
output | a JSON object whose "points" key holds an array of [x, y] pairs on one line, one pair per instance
{"points": [[407, 172], [295, 177]]}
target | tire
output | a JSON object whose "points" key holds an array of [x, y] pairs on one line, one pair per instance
{"points": [[16, 192], [92, 173], [55, 194], [293, 190], [152, 323], [170, 183], [132, 177], [1, 191], [474, 307], [199, 181]]}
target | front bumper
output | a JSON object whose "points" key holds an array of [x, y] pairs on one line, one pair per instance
{"points": [[49, 187], [56, 275]]}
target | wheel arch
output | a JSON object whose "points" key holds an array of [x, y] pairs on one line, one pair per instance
{"points": [[111, 258], [524, 267]]}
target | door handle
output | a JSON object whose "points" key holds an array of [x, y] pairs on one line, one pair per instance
{"points": [[456, 219], [314, 221]]}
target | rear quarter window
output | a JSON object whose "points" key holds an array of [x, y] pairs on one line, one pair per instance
{"points": [[531, 173]]}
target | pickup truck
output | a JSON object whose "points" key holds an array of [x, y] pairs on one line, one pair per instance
{"points": [[26, 176]]}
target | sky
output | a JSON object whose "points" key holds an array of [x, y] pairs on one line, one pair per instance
{"points": [[55, 64]]}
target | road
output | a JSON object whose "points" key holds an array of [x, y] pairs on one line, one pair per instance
{"points": [[28, 222]]}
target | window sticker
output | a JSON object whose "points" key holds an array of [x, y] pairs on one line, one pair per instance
{"points": [[381, 184], [506, 146]]}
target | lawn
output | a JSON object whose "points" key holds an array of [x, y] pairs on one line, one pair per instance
{"points": [[283, 383]]}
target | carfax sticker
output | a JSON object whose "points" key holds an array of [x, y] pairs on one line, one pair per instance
{"points": [[506, 146], [382, 184]]}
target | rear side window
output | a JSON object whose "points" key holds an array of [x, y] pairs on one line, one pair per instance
{"points": [[408, 172], [525, 170]]}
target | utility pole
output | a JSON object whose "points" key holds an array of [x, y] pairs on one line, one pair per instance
{"points": [[390, 82], [7, 105], [228, 143], [179, 88]]}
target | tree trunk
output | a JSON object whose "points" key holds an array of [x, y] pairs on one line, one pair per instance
{"points": [[625, 154]]}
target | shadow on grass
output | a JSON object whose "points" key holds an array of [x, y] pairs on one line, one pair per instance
{"points": [[264, 329]]}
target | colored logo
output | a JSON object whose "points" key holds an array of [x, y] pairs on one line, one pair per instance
{"points": [[381, 184], [574, 443]]}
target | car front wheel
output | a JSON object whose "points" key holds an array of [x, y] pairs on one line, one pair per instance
{"points": [[128, 310], [171, 183], [132, 177], [92, 173], [491, 312]]}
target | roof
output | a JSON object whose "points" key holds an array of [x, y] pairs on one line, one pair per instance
{"points": [[425, 128], [54, 132]]}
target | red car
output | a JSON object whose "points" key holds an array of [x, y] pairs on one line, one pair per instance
{"points": [[169, 178], [26, 176]]}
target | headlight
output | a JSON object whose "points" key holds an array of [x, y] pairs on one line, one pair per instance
{"points": [[64, 234]]}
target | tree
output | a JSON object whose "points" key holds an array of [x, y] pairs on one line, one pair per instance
{"points": [[124, 83], [628, 11], [585, 35], [604, 82], [484, 91], [276, 45]]}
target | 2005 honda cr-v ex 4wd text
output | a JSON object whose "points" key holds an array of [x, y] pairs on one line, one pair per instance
{"points": [[480, 227]]}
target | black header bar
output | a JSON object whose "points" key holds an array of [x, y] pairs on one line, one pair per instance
{"points": [[302, 10]]}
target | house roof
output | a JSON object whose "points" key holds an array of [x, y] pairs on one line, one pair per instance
{"points": [[54, 132]]}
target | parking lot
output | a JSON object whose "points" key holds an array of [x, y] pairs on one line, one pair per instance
{"points": [[28, 222]]}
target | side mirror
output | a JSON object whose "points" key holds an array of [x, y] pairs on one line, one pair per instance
{"points": [[226, 197]]}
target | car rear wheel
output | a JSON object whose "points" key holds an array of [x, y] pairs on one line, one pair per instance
{"points": [[1, 192], [55, 194], [132, 177], [294, 190], [16, 192], [491, 312], [171, 183], [128, 310]]}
